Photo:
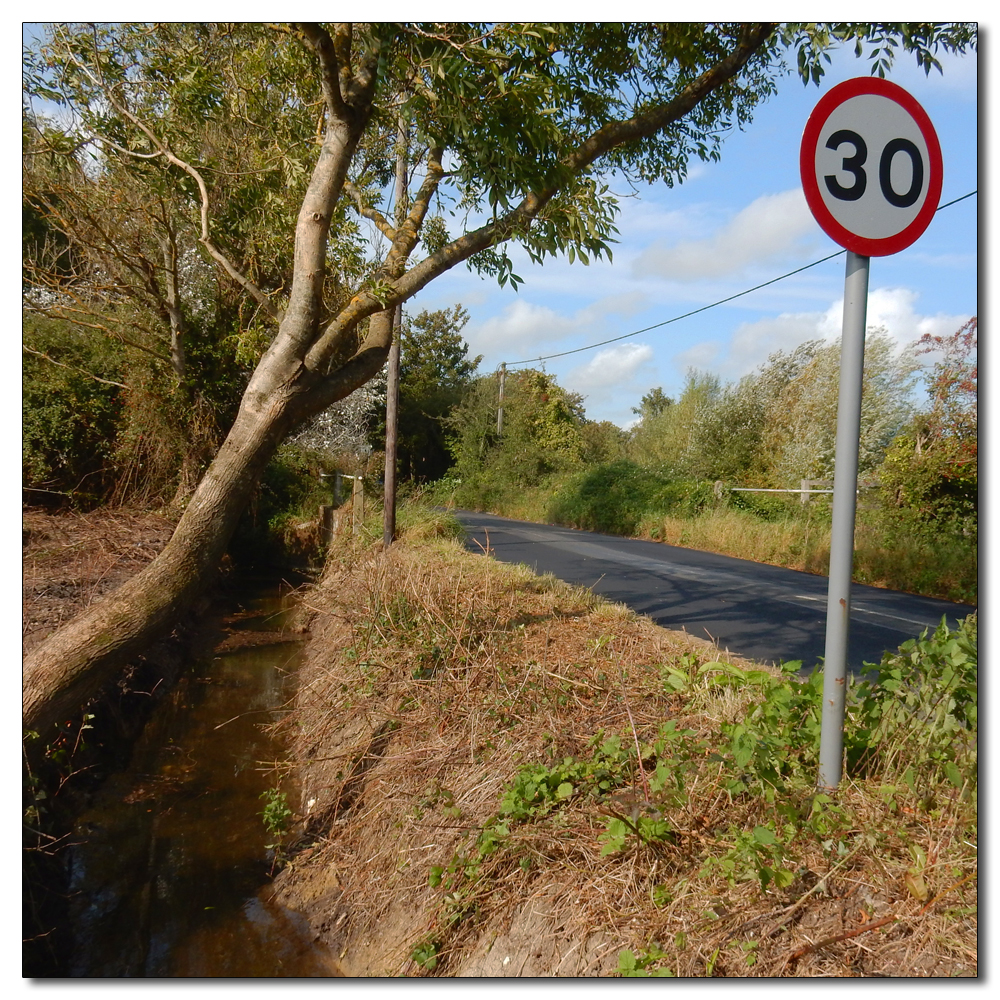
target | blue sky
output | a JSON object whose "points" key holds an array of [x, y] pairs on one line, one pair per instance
{"points": [[730, 226]]}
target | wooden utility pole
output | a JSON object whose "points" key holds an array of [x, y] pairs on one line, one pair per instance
{"points": [[503, 380], [391, 433], [392, 371]]}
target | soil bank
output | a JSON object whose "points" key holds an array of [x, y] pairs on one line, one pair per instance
{"points": [[435, 684]]}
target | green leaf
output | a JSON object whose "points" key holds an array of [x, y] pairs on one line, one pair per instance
{"points": [[953, 774]]}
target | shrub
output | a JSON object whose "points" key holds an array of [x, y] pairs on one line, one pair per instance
{"points": [[70, 412], [915, 716], [290, 492], [765, 506], [617, 496]]}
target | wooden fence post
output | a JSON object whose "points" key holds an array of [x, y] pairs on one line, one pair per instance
{"points": [[358, 508], [326, 521]]}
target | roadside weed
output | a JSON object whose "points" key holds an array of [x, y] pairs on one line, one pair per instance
{"points": [[276, 812], [632, 966], [561, 761]]}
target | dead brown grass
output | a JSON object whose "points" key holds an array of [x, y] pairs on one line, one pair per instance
{"points": [[70, 559], [433, 676]]}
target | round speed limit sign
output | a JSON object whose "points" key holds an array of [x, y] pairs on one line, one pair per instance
{"points": [[871, 166]]}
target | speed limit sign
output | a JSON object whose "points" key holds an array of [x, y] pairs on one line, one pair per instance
{"points": [[871, 171], [871, 166]]}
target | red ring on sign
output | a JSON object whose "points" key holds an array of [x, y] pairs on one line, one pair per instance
{"points": [[826, 105]]}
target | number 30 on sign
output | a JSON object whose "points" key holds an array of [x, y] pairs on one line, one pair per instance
{"points": [[871, 166]]}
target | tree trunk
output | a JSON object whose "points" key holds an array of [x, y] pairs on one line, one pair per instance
{"points": [[72, 665], [302, 372]]}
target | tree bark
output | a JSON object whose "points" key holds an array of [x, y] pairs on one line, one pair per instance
{"points": [[301, 373], [72, 665]]}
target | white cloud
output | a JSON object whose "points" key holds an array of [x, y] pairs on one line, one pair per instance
{"points": [[620, 304], [770, 226], [613, 367], [752, 343], [524, 329], [701, 355], [612, 380], [894, 309], [521, 327]]}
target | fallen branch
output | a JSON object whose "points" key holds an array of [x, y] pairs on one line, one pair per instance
{"points": [[873, 925]]}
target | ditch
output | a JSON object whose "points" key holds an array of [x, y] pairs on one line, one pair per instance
{"points": [[170, 865]]}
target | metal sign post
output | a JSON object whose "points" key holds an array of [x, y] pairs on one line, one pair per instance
{"points": [[871, 171], [845, 492]]}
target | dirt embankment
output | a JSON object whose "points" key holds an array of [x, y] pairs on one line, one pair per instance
{"points": [[462, 734], [70, 559]]}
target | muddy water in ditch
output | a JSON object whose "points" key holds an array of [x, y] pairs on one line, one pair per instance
{"points": [[170, 874]]}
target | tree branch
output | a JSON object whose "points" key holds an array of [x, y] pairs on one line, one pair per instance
{"points": [[752, 37], [72, 368], [163, 149], [65, 313], [333, 73], [369, 213], [409, 232], [518, 219]]}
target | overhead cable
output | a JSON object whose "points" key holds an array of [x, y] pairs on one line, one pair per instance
{"points": [[701, 309]]}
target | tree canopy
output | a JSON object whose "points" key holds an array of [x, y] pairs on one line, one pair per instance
{"points": [[932, 466], [514, 131], [434, 374], [777, 425], [210, 169]]}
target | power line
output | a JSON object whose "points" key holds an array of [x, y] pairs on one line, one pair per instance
{"points": [[701, 309]]}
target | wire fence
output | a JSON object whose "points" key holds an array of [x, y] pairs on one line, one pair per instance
{"points": [[807, 487]]}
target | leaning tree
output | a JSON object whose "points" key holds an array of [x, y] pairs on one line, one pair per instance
{"points": [[514, 131]]}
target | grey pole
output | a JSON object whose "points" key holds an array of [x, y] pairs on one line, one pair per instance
{"points": [[392, 373], [503, 379], [845, 487]]}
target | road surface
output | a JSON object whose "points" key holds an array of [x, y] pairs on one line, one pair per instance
{"points": [[762, 612]]}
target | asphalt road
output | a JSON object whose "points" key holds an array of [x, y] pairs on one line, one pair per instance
{"points": [[758, 611]]}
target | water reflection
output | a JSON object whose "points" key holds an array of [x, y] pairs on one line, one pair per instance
{"points": [[172, 852]]}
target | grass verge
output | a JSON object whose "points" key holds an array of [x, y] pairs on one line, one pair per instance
{"points": [[503, 775], [942, 567], [893, 548]]}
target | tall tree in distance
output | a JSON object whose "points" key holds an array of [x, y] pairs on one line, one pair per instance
{"points": [[435, 372], [517, 127], [932, 467]]}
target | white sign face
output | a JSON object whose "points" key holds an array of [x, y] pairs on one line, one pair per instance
{"points": [[871, 166]]}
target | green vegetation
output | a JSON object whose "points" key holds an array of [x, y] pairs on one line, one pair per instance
{"points": [[435, 372], [71, 408], [632, 966], [931, 468], [687, 458], [910, 733], [276, 812], [540, 438], [617, 498], [281, 523], [643, 788]]}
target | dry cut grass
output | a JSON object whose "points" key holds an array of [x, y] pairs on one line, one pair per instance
{"points": [[899, 560], [71, 559], [466, 737]]}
